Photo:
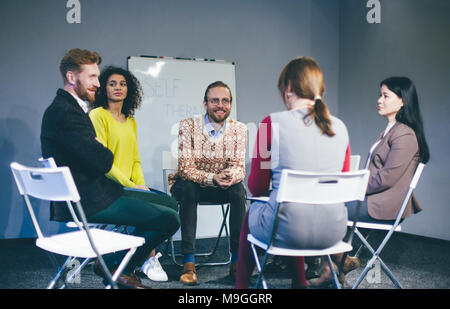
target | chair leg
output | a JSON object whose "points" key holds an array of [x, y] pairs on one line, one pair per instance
{"points": [[375, 256], [61, 270], [227, 236], [362, 276], [223, 227], [365, 243], [362, 245], [172, 253], [369, 263], [333, 273], [258, 266], [389, 273], [78, 270], [122, 266]]}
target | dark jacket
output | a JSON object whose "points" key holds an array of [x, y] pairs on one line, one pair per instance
{"points": [[68, 136]]}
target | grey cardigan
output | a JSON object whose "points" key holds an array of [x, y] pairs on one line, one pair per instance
{"points": [[300, 146]]}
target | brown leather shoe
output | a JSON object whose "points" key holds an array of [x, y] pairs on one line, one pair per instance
{"points": [[98, 270], [124, 281], [325, 280], [131, 282], [189, 275], [351, 263]]}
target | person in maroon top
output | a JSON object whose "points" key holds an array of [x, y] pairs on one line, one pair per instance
{"points": [[292, 139]]}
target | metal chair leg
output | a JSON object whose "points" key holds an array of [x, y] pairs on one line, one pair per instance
{"points": [[362, 246], [78, 270], [260, 270], [121, 267], [61, 270], [375, 256], [225, 211], [333, 273], [389, 273]]}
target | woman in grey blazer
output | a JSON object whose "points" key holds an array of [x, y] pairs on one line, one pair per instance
{"points": [[395, 155]]}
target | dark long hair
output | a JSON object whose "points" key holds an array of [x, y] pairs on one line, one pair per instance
{"points": [[409, 113], [134, 93], [305, 78]]}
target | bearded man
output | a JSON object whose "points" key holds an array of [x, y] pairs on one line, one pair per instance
{"points": [[211, 168], [67, 135]]}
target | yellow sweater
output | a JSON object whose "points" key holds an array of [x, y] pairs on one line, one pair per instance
{"points": [[121, 139]]}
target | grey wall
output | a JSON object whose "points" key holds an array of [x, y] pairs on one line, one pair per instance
{"points": [[261, 36], [411, 40]]}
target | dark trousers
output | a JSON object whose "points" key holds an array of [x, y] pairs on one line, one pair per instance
{"points": [[189, 194], [153, 215]]}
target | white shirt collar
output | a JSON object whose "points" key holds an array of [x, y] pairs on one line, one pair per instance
{"points": [[83, 104], [389, 127]]}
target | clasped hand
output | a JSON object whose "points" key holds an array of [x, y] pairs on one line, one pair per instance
{"points": [[224, 179]]}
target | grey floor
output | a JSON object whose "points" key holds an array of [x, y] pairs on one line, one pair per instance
{"points": [[417, 262]]}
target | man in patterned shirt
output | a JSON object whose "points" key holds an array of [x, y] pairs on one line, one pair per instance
{"points": [[211, 168]]}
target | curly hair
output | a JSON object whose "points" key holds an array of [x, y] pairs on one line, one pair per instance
{"points": [[134, 94]]}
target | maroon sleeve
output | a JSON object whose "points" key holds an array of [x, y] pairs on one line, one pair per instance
{"points": [[348, 153], [260, 172]]}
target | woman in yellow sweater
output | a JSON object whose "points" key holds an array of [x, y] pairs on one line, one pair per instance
{"points": [[116, 100]]}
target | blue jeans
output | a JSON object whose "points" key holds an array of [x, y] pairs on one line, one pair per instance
{"points": [[363, 215]]}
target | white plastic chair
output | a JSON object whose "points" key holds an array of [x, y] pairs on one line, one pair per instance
{"points": [[170, 163], [314, 189], [50, 162], [56, 184], [391, 228], [354, 162]]}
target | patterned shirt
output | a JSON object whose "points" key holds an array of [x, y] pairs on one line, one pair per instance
{"points": [[201, 156]]}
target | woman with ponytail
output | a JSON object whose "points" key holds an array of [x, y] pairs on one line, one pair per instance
{"points": [[303, 137]]}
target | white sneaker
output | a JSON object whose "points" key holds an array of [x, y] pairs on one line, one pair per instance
{"points": [[153, 269]]}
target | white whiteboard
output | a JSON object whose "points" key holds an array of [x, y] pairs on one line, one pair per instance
{"points": [[173, 90]]}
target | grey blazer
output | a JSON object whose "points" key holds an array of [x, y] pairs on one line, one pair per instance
{"points": [[392, 166]]}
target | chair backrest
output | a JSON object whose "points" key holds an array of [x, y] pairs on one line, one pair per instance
{"points": [[49, 162], [169, 161], [48, 183], [354, 162], [322, 188], [51, 184], [412, 186], [417, 175]]}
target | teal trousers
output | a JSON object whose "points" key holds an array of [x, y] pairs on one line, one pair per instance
{"points": [[154, 216]]}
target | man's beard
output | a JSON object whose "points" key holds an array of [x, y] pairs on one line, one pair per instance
{"points": [[213, 117], [84, 94]]}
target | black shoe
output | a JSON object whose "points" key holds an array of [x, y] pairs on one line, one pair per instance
{"points": [[314, 268]]}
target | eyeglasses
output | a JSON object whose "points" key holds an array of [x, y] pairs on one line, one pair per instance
{"points": [[216, 101]]}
